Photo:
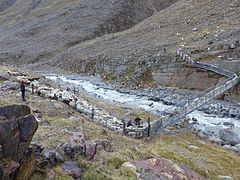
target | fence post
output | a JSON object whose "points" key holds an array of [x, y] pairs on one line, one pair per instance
{"points": [[32, 88], [124, 127], [149, 127], [92, 115], [161, 122], [75, 100], [156, 126], [185, 110]]}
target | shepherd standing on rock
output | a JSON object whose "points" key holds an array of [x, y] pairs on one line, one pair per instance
{"points": [[22, 87]]}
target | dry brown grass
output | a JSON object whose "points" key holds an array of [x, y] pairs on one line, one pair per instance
{"points": [[209, 160]]}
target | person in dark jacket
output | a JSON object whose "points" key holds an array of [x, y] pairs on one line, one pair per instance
{"points": [[137, 121], [129, 123], [22, 87]]}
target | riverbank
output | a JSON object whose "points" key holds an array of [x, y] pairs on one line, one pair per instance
{"points": [[58, 119]]}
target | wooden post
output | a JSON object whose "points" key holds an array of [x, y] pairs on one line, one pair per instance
{"points": [[32, 88], [75, 100], [156, 127], [124, 127], [161, 123], [149, 127], [92, 116], [55, 97]]}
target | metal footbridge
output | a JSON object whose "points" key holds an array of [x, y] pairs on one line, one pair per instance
{"points": [[197, 101]]}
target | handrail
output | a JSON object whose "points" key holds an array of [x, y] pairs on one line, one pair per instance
{"points": [[200, 99]]}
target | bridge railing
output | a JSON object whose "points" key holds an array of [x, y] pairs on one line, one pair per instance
{"points": [[198, 100], [205, 66]]}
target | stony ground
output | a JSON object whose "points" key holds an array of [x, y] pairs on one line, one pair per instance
{"points": [[57, 121], [107, 42], [39, 32]]}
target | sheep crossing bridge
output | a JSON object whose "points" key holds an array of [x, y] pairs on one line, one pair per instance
{"points": [[196, 101]]}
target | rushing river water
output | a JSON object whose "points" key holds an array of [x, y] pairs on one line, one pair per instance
{"points": [[95, 88]]}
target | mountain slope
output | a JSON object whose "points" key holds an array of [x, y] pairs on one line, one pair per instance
{"points": [[138, 54], [31, 31], [109, 38]]}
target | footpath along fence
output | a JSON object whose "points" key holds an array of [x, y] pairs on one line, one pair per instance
{"points": [[196, 102]]}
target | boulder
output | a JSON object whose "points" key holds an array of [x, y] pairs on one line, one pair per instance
{"points": [[72, 169], [16, 133], [72, 150], [37, 149], [77, 137], [229, 136], [2, 78], [14, 111], [160, 168], [27, 126], [16, 73], [9, 166], [130, 166], [53, 158], [215, 140], [238, 147], [228, 124], [58, 105], [90, 150], [194, 119], [78, 144]]}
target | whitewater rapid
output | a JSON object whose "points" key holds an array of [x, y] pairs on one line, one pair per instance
{"points": [[99, 90]]}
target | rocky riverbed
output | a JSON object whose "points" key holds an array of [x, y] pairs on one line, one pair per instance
{"points": [[209, 119], [58, 120]]}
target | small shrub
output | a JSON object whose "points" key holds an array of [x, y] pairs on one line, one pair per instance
{"points": [[114, 162], [92, 174], [83, 163], [61, 175], [127, 173]]}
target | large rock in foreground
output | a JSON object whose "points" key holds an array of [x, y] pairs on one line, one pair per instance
{"points": [[14, 111], [164, 169], [229, 137], [17, 127]]}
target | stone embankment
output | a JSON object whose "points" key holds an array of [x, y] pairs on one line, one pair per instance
{"points": [[70, 97], [91, 111], [102, 117]]}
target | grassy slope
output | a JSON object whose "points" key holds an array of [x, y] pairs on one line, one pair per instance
{"points": [[209, 160]]}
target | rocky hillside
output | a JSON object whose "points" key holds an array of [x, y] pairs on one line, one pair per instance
{"points": [[68, 146], [35, 30], [99, 37], [138, 51], [138, 54], [130, 43]]}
